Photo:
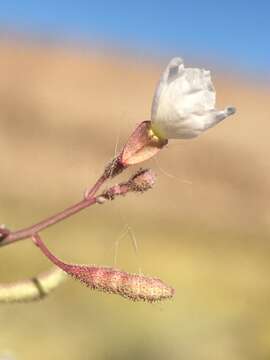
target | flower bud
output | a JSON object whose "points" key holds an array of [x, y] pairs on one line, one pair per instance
{"points": [[143, 180]]}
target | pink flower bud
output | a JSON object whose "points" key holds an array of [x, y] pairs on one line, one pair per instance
{"points": [[143, 180]]}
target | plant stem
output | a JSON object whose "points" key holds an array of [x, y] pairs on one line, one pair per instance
{"points": [[52, 220], [22, 234], [92, 191]]}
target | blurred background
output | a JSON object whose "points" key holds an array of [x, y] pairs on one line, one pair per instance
{"points": [[75, 79]]}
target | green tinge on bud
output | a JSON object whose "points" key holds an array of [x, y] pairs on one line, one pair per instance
{"points": [[143, 180]]}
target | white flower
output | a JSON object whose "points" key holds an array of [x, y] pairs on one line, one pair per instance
{"points": [[184, 102]]}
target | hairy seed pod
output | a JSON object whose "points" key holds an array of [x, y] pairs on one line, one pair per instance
{"points": [[131, 286]]}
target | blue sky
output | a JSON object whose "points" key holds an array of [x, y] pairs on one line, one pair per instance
{"points": [[234, 33]]}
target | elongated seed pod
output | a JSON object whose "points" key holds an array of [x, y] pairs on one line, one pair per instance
{"points": [[131, 286]]}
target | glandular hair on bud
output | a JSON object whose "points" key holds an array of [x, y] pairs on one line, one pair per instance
{"points": [[131, 286], [114, 168], [143, 180]]}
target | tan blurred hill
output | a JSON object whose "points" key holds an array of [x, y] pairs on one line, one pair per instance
{"points": [[63, 111]]}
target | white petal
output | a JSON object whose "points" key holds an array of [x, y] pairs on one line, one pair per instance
{"points": [[221, 115], [184, 102], [173, 70]]}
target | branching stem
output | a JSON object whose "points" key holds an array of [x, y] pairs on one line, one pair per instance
{"points": [[52, 220], [11, 237]]}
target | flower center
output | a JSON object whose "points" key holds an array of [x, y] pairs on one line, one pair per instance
{"points": [[155, 134]]}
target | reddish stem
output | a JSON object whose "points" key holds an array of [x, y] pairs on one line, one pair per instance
{"points": [[38, 241], [30, 231], [90, 192], [11, 237]]}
